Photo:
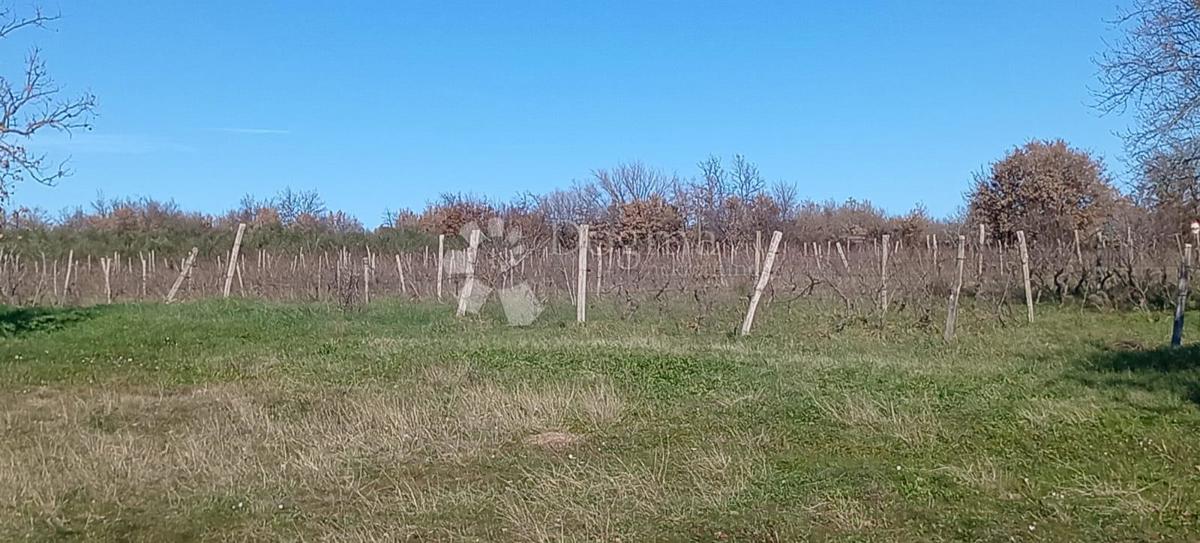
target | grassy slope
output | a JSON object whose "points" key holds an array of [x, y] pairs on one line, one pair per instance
{"points": [[240, 420]]}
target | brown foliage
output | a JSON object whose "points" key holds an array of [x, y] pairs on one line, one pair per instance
{"points": [[453, 212], [1043, 187], [831, 220], [642, 220]]}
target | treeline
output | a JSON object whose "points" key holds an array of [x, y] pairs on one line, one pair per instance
{"points": [[1047, 188], [630, 204]]}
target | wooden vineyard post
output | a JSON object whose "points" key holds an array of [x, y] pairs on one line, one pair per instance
{"points": [[441, 257], [1181, 298], [464, 294], [952, 312], [106, 267], [233, 259], [366, 262], [883, 275], [581, 286], [143, 274], [183, 273], [763, 277], [1025, 273]]}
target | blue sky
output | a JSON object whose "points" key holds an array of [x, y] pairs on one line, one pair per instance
{"points": [[385, 104]]}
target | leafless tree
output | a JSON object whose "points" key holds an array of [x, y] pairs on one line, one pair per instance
{"points": [[633, 182], [580, 203], [1169, 185], [292, 204], [709, 193], [31, 104], [747, 182], [787, 197], [1154, 70]]}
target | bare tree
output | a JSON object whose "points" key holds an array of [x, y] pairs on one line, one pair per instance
{"points": [[632, 182], [580, 203], [787, 197], [709, 193], [747, 182], [1169, 184], [1154, 70], [31, 104], [294, 204]]}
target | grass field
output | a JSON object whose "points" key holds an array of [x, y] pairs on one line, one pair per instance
{"points": [[247, 421]]}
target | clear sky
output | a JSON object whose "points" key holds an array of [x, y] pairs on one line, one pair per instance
{"points": [[385, 104]]}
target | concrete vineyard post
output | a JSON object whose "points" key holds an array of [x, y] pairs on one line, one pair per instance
{"points": [[581, 281], [440, 263], [67, 279], [464, 294], [763, 277], [1195, 228], [757, 252], [883, 275], [842, 255], [106, 266], [1129, 245], [936, 270], [952, 312], [979, 253], [1181, 297], [366, 267], [1078, 249], [183, 273], [233, 258], [1025, 273], [400, 270], [599, 268]]}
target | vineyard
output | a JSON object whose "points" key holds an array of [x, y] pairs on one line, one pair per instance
{"points": [[600, 271], [850, 279]]}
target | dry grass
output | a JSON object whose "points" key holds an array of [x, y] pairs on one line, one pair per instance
{"points": [[277, 451], [1050, 412], [577, 500], [1110, 497], [555, 441], [848, 514], [913, 423], [983, 476]]}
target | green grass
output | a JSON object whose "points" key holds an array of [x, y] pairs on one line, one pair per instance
{"points": [[250, 421]]}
